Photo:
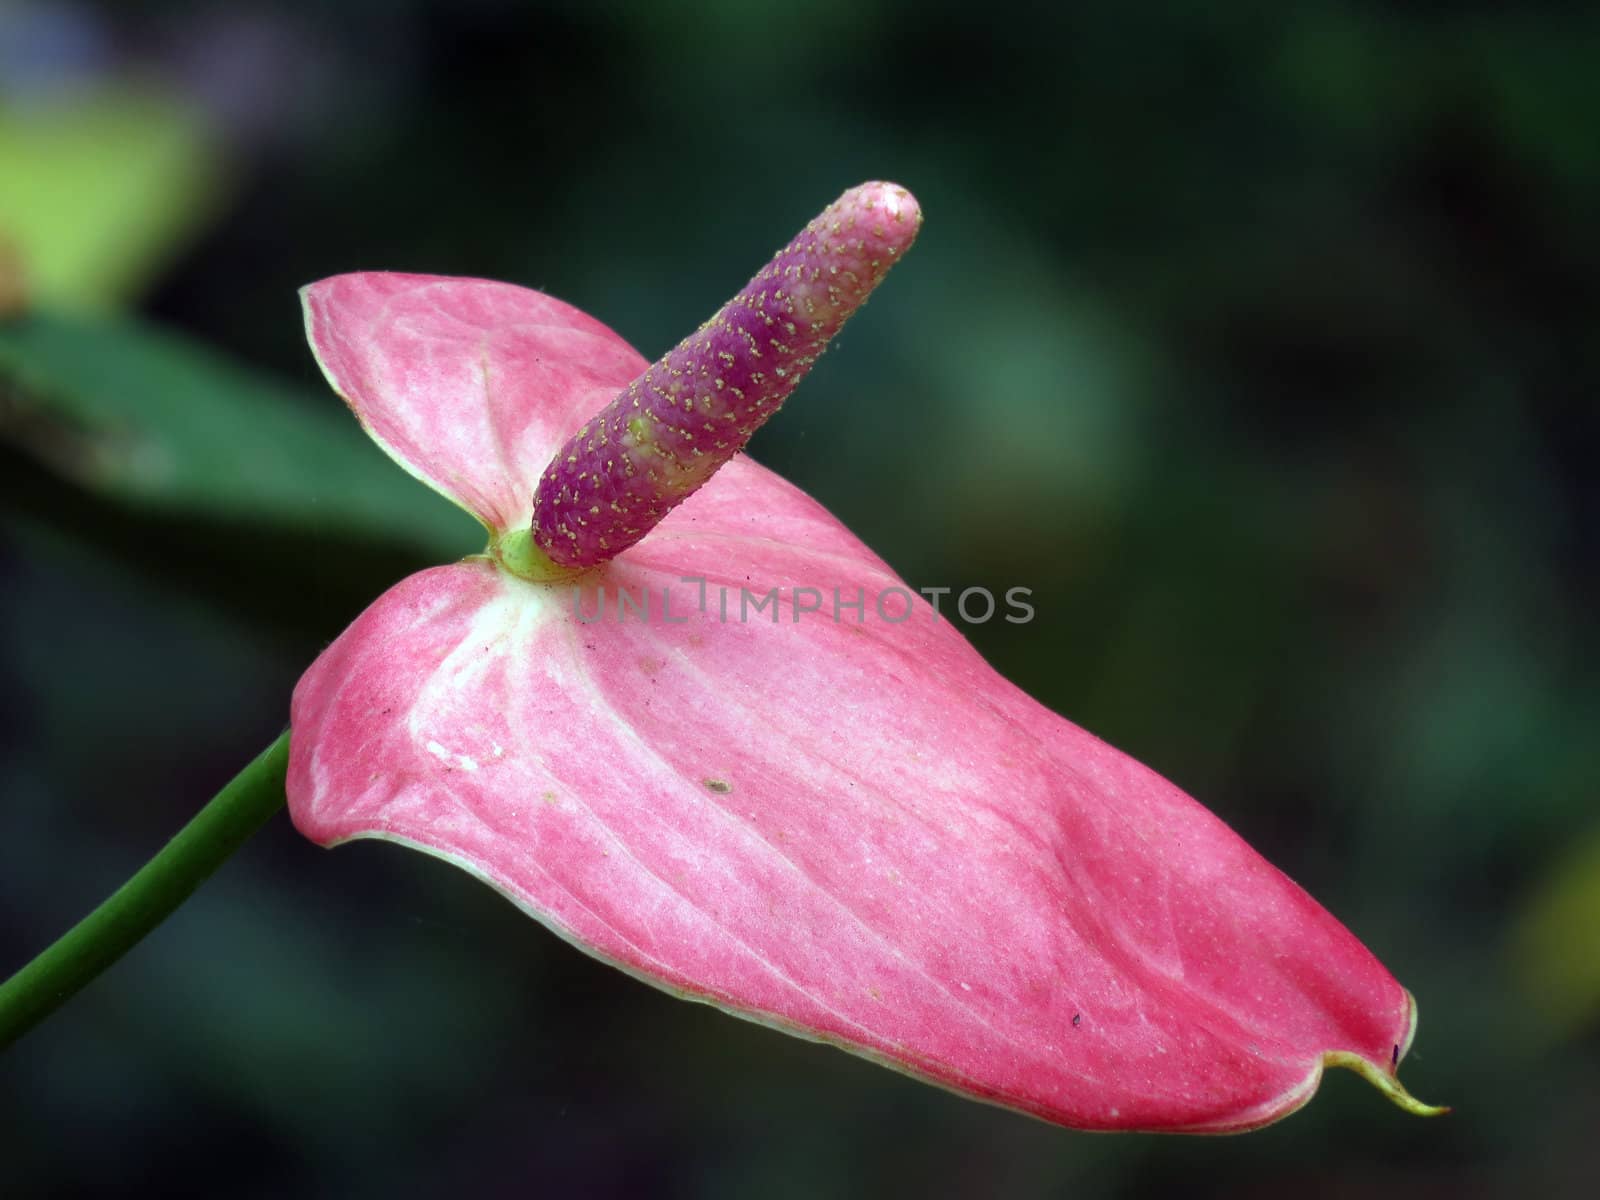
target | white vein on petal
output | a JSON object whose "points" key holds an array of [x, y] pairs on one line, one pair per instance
{"points": [[894, 950], [875, 935], [450, 678], [689, 790], [438, 787]]}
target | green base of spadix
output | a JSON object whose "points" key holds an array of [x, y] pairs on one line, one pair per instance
{"points": [[516, 551]]}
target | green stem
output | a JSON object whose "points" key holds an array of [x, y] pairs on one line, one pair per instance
{"points": [[147, 899]]}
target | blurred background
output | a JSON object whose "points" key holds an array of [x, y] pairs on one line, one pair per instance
{"points": [[1258, 340]]}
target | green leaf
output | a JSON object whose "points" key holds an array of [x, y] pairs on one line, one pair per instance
{"points": [[1554, 939], [265, 496], [100, 187], [156, 421]]}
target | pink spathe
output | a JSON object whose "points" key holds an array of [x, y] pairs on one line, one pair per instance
{"points": [[851, 829]]}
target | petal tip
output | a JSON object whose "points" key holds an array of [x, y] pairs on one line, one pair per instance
{"points": [[1385, 1081], [1383, 1076]]}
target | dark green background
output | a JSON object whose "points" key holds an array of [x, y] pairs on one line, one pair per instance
{"points": [[1258, 340]]}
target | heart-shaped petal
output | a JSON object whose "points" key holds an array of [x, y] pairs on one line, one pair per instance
{"points": [[855, 831], [469, 385], [746, 763]]}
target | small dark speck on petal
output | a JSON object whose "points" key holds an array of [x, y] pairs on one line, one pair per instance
{"points": [[721, 786]]}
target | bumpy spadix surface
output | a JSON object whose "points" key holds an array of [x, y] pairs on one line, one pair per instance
{"points": [[671, 428], [853, 830]]}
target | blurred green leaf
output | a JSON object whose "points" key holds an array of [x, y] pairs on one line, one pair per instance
{"points": [[1557, 940], [208, 475], [100, 187], [156, 422]]}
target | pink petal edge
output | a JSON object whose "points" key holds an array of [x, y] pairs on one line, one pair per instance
{"points": [[858, 833], [469, 385]]}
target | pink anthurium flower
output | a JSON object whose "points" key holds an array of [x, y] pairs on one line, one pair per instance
{"points": [[768, 776]]}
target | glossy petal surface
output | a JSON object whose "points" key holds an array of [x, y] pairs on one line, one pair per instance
{"points": [[468, 384], [856, 831]]}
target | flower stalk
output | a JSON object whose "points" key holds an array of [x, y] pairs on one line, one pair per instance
{"points": [[149, 898]]}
